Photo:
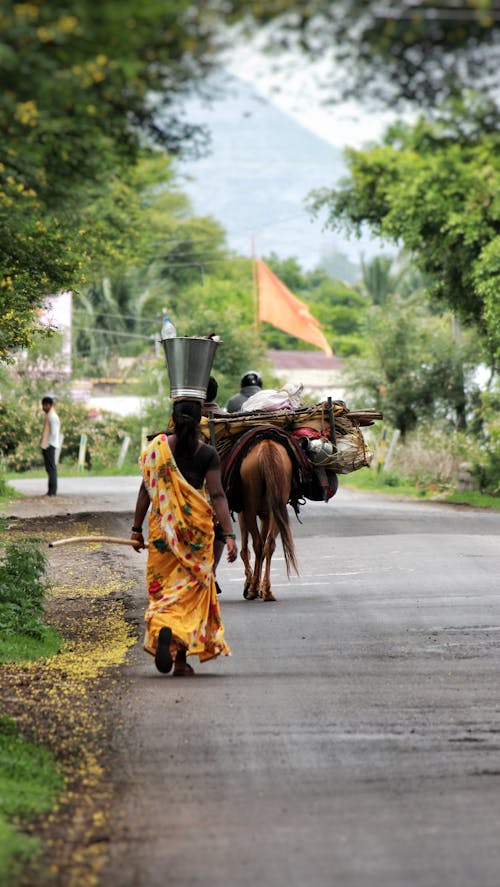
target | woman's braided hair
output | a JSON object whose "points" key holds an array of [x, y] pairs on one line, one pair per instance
{"points": [[186, 416]]}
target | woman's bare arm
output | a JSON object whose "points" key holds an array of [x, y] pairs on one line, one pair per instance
{"points": [[221, 508], [141, 509]]}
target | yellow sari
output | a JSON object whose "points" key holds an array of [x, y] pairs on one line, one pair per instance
{"points": [[179, 574]]}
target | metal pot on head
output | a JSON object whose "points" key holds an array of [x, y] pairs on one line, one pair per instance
{"points": [[189, 364]]}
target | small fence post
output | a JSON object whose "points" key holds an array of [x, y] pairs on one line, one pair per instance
{"points": [[392, 447], [82, 451], [380, 454], [123, 451]]}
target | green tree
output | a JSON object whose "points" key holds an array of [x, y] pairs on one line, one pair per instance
{"points": [[377, 279], [405, 52], [434, 187], [158, 250], [416, 370], [83, 88], [383, 276]]}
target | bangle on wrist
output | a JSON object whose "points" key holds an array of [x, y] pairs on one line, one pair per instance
{"points": [[137, 529], [230, 535]]}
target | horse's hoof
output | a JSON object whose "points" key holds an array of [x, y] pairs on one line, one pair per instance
{"points": [[251, 595], [269, 596]]}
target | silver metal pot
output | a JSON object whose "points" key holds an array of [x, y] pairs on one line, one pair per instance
{"points": [[189, 364]]}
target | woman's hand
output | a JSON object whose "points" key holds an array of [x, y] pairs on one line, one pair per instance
{"points": [[232, 549], [138, 540]]}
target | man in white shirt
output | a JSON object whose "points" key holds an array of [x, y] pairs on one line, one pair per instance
{"points": [[50, 442]]}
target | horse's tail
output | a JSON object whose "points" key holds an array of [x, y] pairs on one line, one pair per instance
{"points": [[271, 467]]}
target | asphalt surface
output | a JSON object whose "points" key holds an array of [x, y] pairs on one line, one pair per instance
{"points": [[353, 737]]}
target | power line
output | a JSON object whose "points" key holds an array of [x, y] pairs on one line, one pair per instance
{"points": [[103, 331], [107, 314]]}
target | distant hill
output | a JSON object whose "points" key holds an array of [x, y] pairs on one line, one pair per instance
{"points": [[260, 168]]}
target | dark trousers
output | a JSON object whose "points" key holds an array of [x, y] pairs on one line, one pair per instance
{"points": [[49, 457]]}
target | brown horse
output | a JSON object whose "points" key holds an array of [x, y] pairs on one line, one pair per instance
{"points": [[266, 480]]}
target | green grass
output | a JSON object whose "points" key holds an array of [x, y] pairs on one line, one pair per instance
{"points": [[367, 479], [6, 491], [129, 467], [16, 849], [21, 648], [29, 785], [475, 499]]}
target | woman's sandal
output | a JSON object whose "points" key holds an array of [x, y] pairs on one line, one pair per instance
{"points": [[163, 657]]}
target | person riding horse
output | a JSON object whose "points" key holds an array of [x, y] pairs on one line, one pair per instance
{"points": [[251, 383]]}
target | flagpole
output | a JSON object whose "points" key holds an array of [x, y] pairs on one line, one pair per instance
{"points": [[255, 289]]}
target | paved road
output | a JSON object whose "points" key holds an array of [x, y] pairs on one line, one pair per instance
{"points": [[353, 738], [75, 494]]}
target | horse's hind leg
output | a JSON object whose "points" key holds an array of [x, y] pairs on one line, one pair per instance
{"points": [[253, 588], [245, 554], [264, 535], [269, 548]]}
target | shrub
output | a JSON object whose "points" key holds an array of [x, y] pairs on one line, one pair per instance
{"points": [[5, 490], [23, 588], [484, 458], [21, 427], [19, 423], [431, 455]]}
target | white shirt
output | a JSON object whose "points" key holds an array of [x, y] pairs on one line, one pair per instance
{"points": [[55, 430]]}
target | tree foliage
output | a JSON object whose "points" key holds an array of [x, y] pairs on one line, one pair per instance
{"points": [[434, 187], [412, 51], [83, 87], [157, 250], [416, 370]]}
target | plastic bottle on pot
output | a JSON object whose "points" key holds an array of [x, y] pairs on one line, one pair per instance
{"points": [[168, 330]]}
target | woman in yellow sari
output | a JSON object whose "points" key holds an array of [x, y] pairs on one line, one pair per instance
{"points": [[183, 616]]}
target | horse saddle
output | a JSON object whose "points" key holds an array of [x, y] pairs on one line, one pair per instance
{"points": [[303, 475]]}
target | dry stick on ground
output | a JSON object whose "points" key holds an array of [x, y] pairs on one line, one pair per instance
{"points": [[115, 540]]}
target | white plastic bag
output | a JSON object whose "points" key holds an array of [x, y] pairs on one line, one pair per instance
{"points": [[270, 399]]}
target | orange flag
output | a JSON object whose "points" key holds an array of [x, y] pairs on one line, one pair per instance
{"points": [[278, 306]]}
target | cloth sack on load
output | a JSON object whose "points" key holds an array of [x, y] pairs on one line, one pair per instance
{"points": [[269, 399]]}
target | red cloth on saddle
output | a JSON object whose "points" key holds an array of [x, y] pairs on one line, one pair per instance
{"points": [[305, 431], [327, 482]]}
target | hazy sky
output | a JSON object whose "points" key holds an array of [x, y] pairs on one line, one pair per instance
{"points": [[298, 87], [254, 183]]}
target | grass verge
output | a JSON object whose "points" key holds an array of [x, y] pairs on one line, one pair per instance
{"points": [[30, 783], [129, 467], [64, 703], [22, 648], [391, 484]]}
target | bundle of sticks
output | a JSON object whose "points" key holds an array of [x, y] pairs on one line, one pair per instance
{"points": [[223, 431]]}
